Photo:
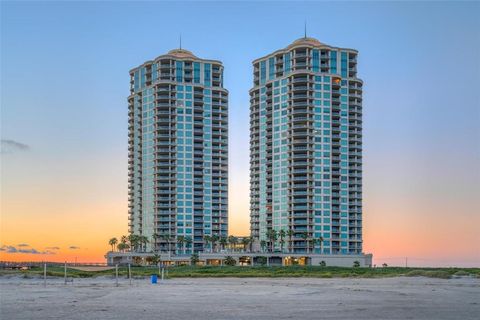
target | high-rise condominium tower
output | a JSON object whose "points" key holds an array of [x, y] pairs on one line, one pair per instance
{"points": [[306, 148], [178, 151]]}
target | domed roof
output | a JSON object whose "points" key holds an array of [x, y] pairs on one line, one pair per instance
{"points": [[181, 53], [306, 41]]}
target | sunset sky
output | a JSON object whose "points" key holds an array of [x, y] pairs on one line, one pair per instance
{"points": [[64, 84]]}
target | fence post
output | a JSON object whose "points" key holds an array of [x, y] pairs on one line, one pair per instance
{"points": [[116, 274], [44, 274], [129, 274]]}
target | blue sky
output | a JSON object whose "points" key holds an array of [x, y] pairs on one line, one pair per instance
{"points": [[64, 83]]}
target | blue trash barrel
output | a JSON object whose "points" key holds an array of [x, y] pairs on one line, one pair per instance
{"points": [[154, 278]]}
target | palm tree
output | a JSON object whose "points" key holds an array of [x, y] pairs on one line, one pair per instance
{"points": [[245, 242], [168, 239], [263, 243], [133, 240], [181, 242], [232, 240], [304, 236], [124, 239], [320, 243], [223, 242], [155, 259], [207, 239], [143, 240], [215, 239], [113, 242], [272, 237], [194, 259], [122, 246], [188, 242], [230, 261], [290, 234], [282, 235], [155, 237]]}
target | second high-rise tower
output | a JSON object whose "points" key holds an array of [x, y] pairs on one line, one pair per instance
{"points": [[306, 149]]}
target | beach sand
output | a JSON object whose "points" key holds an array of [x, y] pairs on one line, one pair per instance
{"points": [[241, 298]]}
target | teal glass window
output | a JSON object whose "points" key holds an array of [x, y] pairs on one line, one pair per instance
{"points": [[142, 77], [196, 72], [179, 70], [287, 62], [263, 72], [333, 62], [207, 74], [344, 64], [154, 72], [271, 68], [136, 80], [316, 60]]}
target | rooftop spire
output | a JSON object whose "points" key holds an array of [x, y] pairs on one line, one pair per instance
{"points": [[305, 31], [180, 41]]}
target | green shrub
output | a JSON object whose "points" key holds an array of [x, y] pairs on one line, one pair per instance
{"points": [[194, 259], [229, 261], [262, 260]]}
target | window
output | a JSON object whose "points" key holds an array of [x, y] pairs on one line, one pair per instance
{"points": [[287, 62], [179, 70], [207, 74], [196, 72], [333, 62], [271, 68], [263, 72], [344, 64], [316, 60]]}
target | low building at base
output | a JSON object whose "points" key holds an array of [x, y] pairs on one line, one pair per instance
{"points": [[241, 259]]}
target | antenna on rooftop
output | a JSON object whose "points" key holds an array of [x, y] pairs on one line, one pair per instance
{"points": [[305, 31], [180, 41]]}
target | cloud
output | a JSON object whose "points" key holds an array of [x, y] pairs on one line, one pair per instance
{"points": [[12, 249], [23, 245], [8, 249], [74, 248], [11, 146], [52, 248]]}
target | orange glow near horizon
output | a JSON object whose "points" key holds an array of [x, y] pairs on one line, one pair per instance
{"points": [[392, 231], [84, 209]]}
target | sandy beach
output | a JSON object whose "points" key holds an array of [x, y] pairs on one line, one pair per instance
{"points": [[237, 298]]}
